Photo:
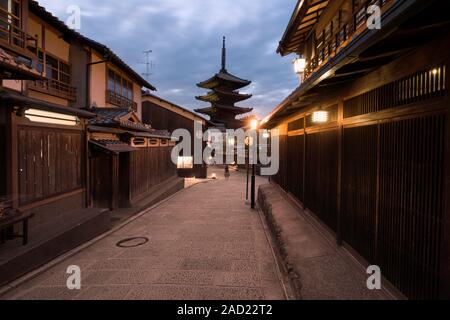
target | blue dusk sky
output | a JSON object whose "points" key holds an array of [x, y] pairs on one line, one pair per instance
{"points": [[186, 38]]}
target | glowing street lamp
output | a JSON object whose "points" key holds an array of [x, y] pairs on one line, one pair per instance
{"points": [[254, 123]]}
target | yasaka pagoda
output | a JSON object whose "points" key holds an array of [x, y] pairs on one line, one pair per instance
{"points": [[223, 96]]}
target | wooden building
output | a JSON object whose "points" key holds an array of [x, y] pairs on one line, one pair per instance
{"points": [[128, 159], [165, 115], [71, 137], [43, 142], [365, 139]]}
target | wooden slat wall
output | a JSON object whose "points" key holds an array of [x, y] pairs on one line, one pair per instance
{"points": [[2, 160], [392, 180], [359, 189], [295, 162], [411, 203], [281, 177], [50, 163], [148, 168], [417, 87], [321, 175]]}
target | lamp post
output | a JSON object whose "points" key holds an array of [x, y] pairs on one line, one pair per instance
{"points": [[254, 126]]}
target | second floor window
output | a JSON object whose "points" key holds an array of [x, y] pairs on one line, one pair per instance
{"points": [[120, 85], [10, 21], [55, 69]]}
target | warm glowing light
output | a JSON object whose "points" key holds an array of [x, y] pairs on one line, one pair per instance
{"points": [[266, 135], [435, 71], [254, 124], [185, 163], [320, 116], [41, 116], [299, 65], [213, 176]]}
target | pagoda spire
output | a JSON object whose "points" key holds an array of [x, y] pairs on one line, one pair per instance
{"points": [[224, 56]]}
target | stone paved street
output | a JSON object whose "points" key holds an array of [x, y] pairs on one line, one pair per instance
{"points": [[205, 243]]}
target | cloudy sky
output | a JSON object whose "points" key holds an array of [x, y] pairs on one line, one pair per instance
{"points": [[186, 39]]}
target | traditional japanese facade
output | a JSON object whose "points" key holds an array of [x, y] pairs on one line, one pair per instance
{"points": [[163, 114], [365, 139], [223, 96], [129, 160], [43, 145], [71, 137]]}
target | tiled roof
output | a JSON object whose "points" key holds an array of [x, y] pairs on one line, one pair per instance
{"points": [[111, 117], [108, 115], [115, 146]]}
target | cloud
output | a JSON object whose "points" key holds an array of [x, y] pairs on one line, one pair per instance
{"points": [[186, 38]]}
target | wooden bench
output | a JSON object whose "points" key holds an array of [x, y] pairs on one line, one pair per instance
{"points": [[13, 219]]}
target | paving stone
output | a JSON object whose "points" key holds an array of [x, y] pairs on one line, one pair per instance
{"points": [[244, 265], [206, 264], [163, 292], [238, 279], [49, 293], [230, 293], [135, 277], [187, 277], [117, 264], [109, 292]]}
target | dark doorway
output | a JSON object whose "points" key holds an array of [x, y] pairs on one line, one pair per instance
{"points": [[101, 187]]}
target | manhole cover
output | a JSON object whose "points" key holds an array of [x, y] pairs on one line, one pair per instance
{"points": [[132, 242]]}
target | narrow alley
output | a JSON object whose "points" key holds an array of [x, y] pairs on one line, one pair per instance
{"points": [[203, 243]]}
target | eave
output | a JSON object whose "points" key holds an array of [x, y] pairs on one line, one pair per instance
{"points": [[219, 95], [365, 53], [224, 79], [23, 103], [303, 20]]}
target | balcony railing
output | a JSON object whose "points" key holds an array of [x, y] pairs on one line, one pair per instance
{"points": [[14, 38], [120, 101], [55, 88], [330, 44]]}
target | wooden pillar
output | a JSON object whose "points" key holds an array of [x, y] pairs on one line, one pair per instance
{"points": [[13, 166], [304, 163], [339, 238], [445, 226], [114, 203]]}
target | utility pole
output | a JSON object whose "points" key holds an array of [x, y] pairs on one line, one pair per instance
{"points": [[148, 64]]}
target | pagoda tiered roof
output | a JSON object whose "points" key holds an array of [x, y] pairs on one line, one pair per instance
{"points": [[224, 79], [216, 107], [223, 95]]}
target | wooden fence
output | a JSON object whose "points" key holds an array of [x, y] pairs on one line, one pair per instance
{"points": [[379, 184]]}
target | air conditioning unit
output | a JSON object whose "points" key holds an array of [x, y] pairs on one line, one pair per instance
{"points": [[139, 142]]}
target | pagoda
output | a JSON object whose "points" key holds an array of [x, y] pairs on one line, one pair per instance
{"points": [[223, 96]]}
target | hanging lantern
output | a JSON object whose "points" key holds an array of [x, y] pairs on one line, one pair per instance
{"points": [[299, 65], [320, 116]]}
